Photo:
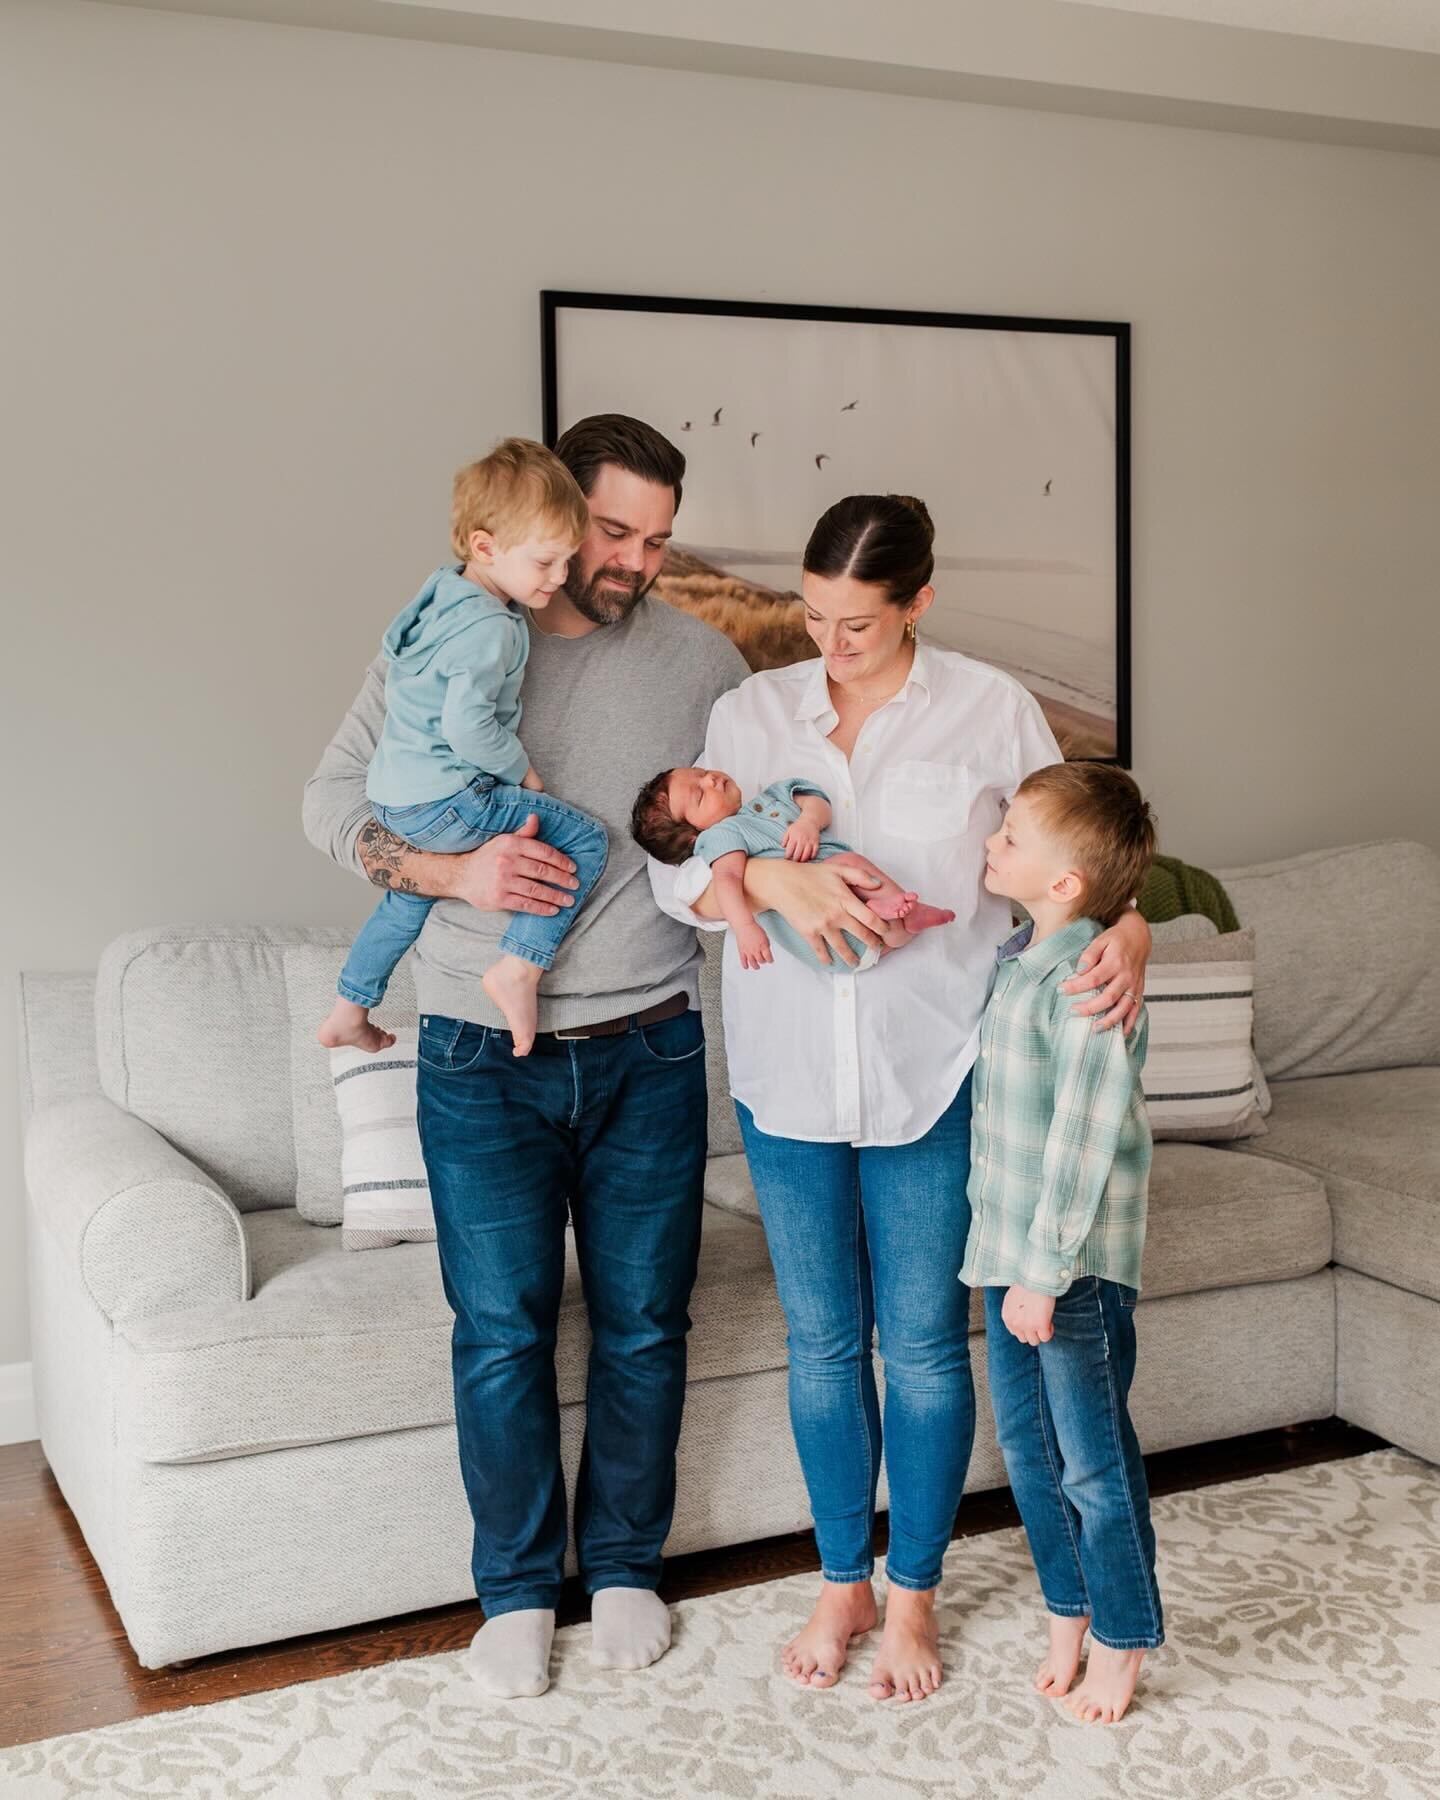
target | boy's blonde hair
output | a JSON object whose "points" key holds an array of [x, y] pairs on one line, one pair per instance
{"points": [[1100, 815], [518, 493]]}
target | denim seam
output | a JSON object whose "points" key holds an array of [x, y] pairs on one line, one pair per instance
{"points": [[1122, 1462], [865, 1351], [904, 1581], [1064, 1504], [846, 1577], [1152, 1642]]}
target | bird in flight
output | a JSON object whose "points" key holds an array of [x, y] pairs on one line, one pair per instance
{"points": [[754, 439], [821, 460], [850, 407], [1048, 486], [718, 411]]}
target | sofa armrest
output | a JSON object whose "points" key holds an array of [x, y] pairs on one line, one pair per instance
{"points": [[145, 1229]]}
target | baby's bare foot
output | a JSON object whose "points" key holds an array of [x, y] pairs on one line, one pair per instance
{"points": [[1055, 1674], [1105, 1693], [815, 1656], [907, 1664], [513, 984], [348, 1028], [926, 918], [898, 905]]}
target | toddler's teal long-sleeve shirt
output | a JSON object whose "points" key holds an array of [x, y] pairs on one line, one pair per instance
{"points": [[452, 694]]}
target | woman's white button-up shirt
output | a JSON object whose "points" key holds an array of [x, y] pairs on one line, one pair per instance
{"points": [[875, 1057]]}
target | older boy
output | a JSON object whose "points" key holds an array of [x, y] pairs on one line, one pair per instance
{"points": [[1060, 1162]]}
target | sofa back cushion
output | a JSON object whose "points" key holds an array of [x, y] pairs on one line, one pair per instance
{"points": [[192, 1033], [1347, 958]]}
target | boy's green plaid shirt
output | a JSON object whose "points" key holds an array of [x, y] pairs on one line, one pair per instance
{"points": [[1060, 1141]]}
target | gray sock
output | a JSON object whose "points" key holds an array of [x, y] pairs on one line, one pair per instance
{"points": [[630, 1628], [509, 1657]]}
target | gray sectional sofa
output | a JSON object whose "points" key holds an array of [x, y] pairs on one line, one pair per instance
{"points": [[253, 1426]]}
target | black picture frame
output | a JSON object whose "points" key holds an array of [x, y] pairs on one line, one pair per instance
{"points": [[555, 303]]}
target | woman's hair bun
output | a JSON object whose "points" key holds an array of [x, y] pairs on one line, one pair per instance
{"points": [[917, 506]]}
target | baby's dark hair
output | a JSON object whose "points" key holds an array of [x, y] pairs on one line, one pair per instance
{"points": [[655, 828]]}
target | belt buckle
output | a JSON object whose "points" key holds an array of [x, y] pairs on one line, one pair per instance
{"points": [[572, 1032]]}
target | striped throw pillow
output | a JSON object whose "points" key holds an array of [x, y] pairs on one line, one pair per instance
{"points": [[1199, 1074], [382, 1174]]}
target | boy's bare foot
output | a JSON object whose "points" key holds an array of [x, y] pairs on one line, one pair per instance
{"points": [[513, 984], [348, 1028], [907, 1664], [1104, 1694], [1055, 1674], [845, 1611], [925, 918]]}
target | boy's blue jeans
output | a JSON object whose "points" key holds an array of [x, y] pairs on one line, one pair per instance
{"points": [[1064, 1426], [608, 1132], [460, 822], [861, 1238]]}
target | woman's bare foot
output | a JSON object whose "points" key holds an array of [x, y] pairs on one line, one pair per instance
{"points": [[513, 984], [1055, 1674], [1104, 1694], [845, 1611], [907, 1664], [348, 1028]]}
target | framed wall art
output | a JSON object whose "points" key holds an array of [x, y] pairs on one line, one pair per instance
{"points": [[1014, 431]]}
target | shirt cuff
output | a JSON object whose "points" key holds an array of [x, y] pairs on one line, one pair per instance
{"points": [[1045, 1271]]}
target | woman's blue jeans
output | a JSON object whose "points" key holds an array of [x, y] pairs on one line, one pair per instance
{"points": [[461, 822], [862, 1239], [1074, 1461]]}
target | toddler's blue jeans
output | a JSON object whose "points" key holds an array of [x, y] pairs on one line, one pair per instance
{"points": [[464, 821], [1074, 1461]]}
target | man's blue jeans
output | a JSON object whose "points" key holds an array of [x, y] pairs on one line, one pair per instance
{"points": [[465, 821], [1074, 1462], [609, 1131], [860, 1239]]}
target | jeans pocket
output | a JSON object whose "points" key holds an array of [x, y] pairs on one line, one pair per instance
{"points": [[451, 1046], [676, 1040], [426, 832], [1127, 1296]]}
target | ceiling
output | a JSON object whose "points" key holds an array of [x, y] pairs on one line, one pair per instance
{"points": [[1399, 24]]}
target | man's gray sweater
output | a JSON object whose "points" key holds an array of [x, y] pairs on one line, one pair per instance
{"points": [[602, 714]]}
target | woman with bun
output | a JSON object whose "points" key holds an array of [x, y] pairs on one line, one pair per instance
{"points": [[853, 1091]]}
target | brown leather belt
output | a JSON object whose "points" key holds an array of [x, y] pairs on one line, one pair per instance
{"points": [[652, 1015]]}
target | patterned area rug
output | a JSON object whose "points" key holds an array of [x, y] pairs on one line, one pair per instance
{"points": [[1304, 1660]]}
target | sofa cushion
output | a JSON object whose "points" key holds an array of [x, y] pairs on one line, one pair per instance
{"points": [[1199, 1067], [191, 1029], [1333, 994], [334, 1345], [1374, 1139], [382, 1171], [311, 971]]}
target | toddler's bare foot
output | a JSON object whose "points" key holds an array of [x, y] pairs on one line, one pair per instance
{"points": [[348, 1027], [1055, 1674], [513, 984], [925, 918], [907, 1664], [1104, 1694], [815, 1656]]}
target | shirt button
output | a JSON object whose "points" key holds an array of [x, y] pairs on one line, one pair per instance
{"points": [[1064, 1274], [979, 1106]]}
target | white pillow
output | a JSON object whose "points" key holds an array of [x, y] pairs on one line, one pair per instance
{"points": [[1200, 1069], [382, 1173]]}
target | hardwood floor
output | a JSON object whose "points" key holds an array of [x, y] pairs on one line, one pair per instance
{"points": [[65, 1664]]}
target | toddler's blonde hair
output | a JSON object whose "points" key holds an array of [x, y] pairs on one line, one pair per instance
{"points": [[520, 492]]}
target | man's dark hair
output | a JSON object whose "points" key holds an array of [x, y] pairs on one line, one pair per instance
{"points": [[655, 828], [628, 443]]}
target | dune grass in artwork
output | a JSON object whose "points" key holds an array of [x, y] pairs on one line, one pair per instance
{"points": [[767, 626]]}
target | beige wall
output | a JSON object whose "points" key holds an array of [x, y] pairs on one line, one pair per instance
{"points": [[274, 284]]}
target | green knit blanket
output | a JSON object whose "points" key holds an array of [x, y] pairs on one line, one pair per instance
{"points": [[1173, 888]]}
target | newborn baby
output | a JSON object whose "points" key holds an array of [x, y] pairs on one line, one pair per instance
{"points": [[681, 813]]}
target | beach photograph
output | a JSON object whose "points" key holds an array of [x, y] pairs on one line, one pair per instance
{"points": [[1008, 435]]}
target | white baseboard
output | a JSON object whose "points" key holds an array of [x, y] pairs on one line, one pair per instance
{"points": [[17, 1404]]}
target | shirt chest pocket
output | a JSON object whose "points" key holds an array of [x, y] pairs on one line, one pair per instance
{"points": [[926, 800]]}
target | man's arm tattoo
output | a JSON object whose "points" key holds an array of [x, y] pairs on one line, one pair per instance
{"points": [[382, 854]]}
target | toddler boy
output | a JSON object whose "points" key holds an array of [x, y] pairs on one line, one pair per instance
{"points": [[449, 772], [1060, 1160]]}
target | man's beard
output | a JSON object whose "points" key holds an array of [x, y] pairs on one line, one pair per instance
{"points": [[605, 605]]}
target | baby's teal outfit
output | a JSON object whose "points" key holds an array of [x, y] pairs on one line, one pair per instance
{"points": [[759, 830]]}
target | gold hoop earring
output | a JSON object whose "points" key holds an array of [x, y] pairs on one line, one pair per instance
{"points": [[910, 630]]}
